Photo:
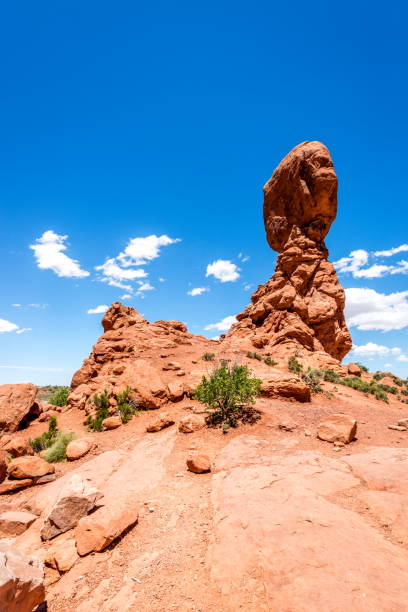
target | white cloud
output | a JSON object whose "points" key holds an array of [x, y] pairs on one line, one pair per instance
{"points": [[393, 251], [48, 251], [243, 257], [387, 365], [223, 270], [16, 305], [197, 291], [140, 251], [118, 272], [126, 296], [146, 286], [403, 358], [353, 262], [367, 309], [222, 325], [162, 280], [7, 326], [371, 349], [98, 309], [247, 286], [22, 330]]}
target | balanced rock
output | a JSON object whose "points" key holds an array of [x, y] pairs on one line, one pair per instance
{"points": [[21, 580], [18, 405], [75, 501], [338, 428], [29, 467], [301, 306]]}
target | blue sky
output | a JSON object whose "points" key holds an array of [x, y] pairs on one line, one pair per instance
{"points": [[128, 120]]}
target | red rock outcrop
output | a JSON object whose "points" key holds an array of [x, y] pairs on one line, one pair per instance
{"points": [[18, 405], [133, 352], [302, 305]]}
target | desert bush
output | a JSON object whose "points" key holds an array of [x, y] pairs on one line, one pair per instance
{"points": [[388, 389], [294, 365], [331, 376], [58, 450], [46, 439], [253, 355], [377, 376], [269, 361], [313, 379], [208, 357], [60, 397], [126, 407], [101, 402], [229, 393]]}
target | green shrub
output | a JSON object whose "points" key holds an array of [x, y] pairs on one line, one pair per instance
{"points": [[126, 407], [397, 381], [57, 451], [60, 397], [252, 355], [229, 393], [101, 402], [377, 376], [388, 389], [331, 376], [294, 365], [313, 378], [46, 439], [269, 361], [362, 367], [208, 357]]}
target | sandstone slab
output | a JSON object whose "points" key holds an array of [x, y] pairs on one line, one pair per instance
{"points": [[191, 423], [161, 422], [338, 428], [29, 467], [21, 581], [14, 523]]}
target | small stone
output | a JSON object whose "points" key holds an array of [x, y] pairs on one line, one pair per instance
{"points": [[191, 423], [397, 427], [287, 425], [78, 448], [14, 523], [62, 555], [112, 422], [338, 427], [163, 420], [199, 464]]}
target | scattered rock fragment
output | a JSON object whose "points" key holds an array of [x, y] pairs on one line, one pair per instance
{"points": [[75, 501], [14, 523], [21, 580], [191, 423], [338, 428], [287, 425], [163, 420], [17, 447], [62, 555], [13, 485], [199, 464], [397, 427], [97, 531]]}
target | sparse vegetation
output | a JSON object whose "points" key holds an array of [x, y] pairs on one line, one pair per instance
{"points": [[48, 391], [229, 393], [47, 438], [58, 450], [208, 357], [253, 355], [362, 367], [313, 378], [126, 407], [269, 361], [294, 365], [101, 403], [359, 385], [60, 397], [53, 441]]}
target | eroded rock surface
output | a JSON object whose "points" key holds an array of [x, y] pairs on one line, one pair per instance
{"points": [[302, 305], [21, 581], [18, 404]]}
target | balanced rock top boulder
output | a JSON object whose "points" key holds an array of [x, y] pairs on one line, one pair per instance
{"points": [[302, 305]]}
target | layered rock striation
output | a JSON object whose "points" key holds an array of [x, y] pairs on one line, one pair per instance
{"points": [[302, 305]]}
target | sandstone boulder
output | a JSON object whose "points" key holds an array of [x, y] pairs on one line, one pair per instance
{"points": [[13, 523], [29, 467], [175, 391], [76, 500], [21, 581], [191, 423], [62, 554], [290, 387], [199, 464], [18, 405], [17, 447], [162, 421], [338, 428], [353, 369], [112, 422], [78, 448], [97, 531]]}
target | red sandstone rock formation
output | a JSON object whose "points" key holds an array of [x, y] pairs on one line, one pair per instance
{"points": [[302, 305]]}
